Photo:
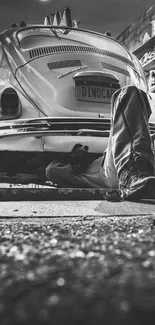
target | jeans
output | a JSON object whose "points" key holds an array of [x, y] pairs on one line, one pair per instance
{"points": [[129, 139]]}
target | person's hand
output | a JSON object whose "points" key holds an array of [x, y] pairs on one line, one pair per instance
{"points": [[79, 158]]}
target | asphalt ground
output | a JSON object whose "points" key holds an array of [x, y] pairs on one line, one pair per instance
{"points": [[77, 262]]}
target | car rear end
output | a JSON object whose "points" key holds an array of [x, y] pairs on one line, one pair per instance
{"points": [[70, 76], [73, 72]]}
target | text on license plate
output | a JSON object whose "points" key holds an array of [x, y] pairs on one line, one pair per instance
{"points": [[94, 94]]}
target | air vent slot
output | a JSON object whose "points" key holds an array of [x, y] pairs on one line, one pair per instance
{"points": [[41, 51]]}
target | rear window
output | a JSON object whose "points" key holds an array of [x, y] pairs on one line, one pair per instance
{"points": [[32, 37], [30, 42]]}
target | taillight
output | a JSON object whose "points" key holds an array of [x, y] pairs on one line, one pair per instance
{"points": [[10, 104]]}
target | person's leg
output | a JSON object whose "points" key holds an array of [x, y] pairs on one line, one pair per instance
{"points": [[130, 144], [129, 152]]}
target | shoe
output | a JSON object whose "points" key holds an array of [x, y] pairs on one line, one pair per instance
{"points": [[137, 182], [113, 195]]}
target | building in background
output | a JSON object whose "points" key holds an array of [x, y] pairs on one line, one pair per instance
{"points": [[139, 38]]}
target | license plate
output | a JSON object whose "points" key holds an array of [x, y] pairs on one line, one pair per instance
{"points": [[94, 94]]}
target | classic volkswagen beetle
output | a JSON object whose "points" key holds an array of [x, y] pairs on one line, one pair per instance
{"points": [[56, 84]]}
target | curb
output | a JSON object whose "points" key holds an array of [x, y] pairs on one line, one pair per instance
{"points": [[50, 194]]}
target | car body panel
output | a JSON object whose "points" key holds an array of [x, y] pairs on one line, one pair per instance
{"points": [[44, 71]]}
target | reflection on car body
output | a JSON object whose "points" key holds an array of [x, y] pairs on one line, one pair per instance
{"points": [[56, 84]]}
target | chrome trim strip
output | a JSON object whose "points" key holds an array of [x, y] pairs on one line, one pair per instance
{"points": [[71, 71], [79, 132]]}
